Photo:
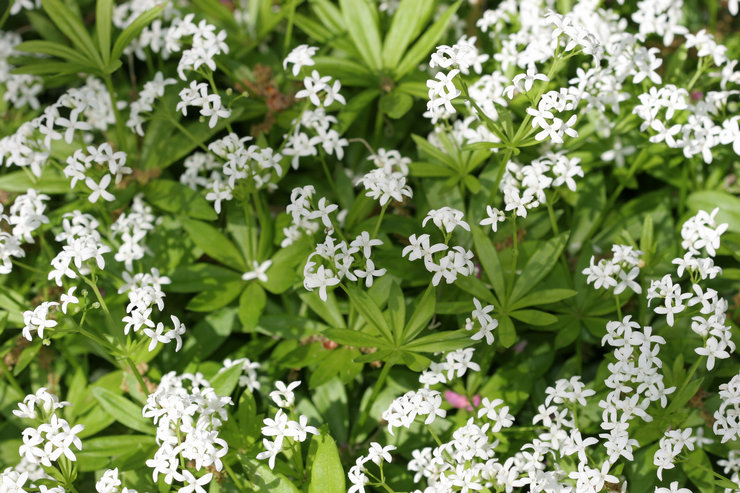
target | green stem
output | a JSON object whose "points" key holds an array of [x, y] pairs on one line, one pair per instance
{"points": [[434, 435], [6, 14], [230, 472], [380, 220], [120, 132], [10, 378], [376, 390], [619, 307]]}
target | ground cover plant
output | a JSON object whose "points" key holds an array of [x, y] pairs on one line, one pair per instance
{"points": [[404, 245]]}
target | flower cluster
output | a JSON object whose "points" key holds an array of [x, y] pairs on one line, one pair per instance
{"points": [[388, 180], [456, 262], [83, 244], [280, 427], [113, 164], [487, 324], [188, 414], [618, 272], [52, 437]]}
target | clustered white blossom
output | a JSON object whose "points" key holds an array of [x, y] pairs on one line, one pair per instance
{"points": [[700, 232], [377, 454], [248, 378], [456, 262], [618, 272], [83, 245], [258, 167], [110, 483], [25, 215], [341, 258], [30, 146], [144, 292], [486, 323], [113, 165], [727, 417], [20, 89], [132, 227], [145, 104], [52, 437], [524, 186], [388, 180], [403, 411], [321, 93], [188, 414], [282, 427]]}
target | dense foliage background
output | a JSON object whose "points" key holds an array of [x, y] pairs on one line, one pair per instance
{"points": [[308, 245]]}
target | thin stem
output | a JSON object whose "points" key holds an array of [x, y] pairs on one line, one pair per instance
{"points": [[380, 220], [619, 306], [120, 132], [434, 435], [10, 378], [376, 390], [234, 477], [329, 178]]}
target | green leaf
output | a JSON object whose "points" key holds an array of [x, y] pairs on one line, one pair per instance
{"points": [[133, 30], [71, 26], [246, 415], [397, 311], [543, 297], [489, 260], [212, 299], [365, 305], [172, 196], [426, 43], [332, 365], [53, 49], [350, 72], [51, 181], [54, 68], [361, 18], [409, 19], [328, 310], [422, 314], [251, 304], [698, 469], [264, 478], [538, 266], [534, 317], [326, 473], [123, 410], [396, 104], [356, 338], [103, 16], [475, 286], [225, 381], [200, 277], [729, 206], [506, 331], [214, 243], [441, 341]]}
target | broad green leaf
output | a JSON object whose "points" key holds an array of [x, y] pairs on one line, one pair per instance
{"points": [[538, 266], [489, 260], [123, 410], [350, 72], [335, 362], [441, 342], [543, 297], [506, 331], [429, 170], [133, 30], [729, 206], [54, 68], [365, 305], [326, 473], [172, 196], [53, 49], [246, 415], [215, 298], [214, 243], [475, 286], [361, 18], [225, 381], [396, 104], [331, 401], [698, 469], [426, 43], [409, 19], [329, 15], [251, 304], [328, 310], [200, 277], [423, 313], [590, 204], [115, 445], [355, 338], [396, 311], [534, 317], [103, 21], [51, 181], [265, 479], [71, 26]]}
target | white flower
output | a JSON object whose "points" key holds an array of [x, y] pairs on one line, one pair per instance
{"points": [[259, 271], [299, 57]]}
